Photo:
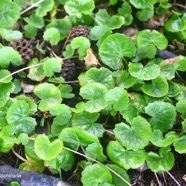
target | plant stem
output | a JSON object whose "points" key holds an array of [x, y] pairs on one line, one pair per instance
{"points": [[20, 70], [99, 163], [32, 6], [173, 178], [20, 157], [179, 5], [157, 179]]}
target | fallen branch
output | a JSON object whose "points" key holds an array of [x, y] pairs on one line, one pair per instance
{"points": [[25, 178]]}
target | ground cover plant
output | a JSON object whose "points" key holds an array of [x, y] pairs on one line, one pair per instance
{"points": [[93, 92]]}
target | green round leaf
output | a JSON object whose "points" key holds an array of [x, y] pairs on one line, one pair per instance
{"points": [[6, 143], [51, 66], [8, 54], [63, 25], [64, 160], [4, 73], [163, 115], [142, 4], [86, 121], [146, 51], [102, 75], [91, 172], [23, 138], [9, 13], [29, 149], [82, 44], [52, 35], [49, 94], [136, 136], [103, 18], [95, 151], [181, 107], [17, 115], [74, 137], [116, 96], [10, 35], [114, 48], [126, 80], [30, 31], [126, 12], [45, 149], [5, 89], [44, 7], [183, 125], [94, 92], [125, 158], [32, 165], [98, 32], [181, 63], [162, 162], [63, 116], [158, 140], [145, 37], [159, 87], [35, 21], [30, 101], [175, 23], [36, 73], [145, 14], [180, 145], [150, 71], [79, 7]]}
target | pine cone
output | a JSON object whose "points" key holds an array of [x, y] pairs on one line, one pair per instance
{"points": [[68, 69], [77, 31], [24, 48]]}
